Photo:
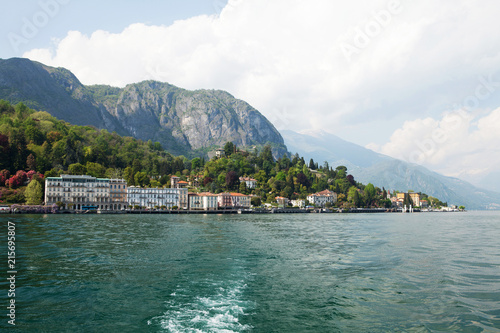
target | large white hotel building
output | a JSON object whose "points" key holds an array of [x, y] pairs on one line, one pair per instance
{"points": [[86, 192], [90, 193], [157, 197]]}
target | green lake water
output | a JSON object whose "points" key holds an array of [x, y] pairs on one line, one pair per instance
{"points": [[422, 272]]}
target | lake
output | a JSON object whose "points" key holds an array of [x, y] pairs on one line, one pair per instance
{"points": [[421, 272]]}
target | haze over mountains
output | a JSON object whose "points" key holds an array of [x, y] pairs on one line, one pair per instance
{"points": [[368, 166], [194, 122], [184, 122]]}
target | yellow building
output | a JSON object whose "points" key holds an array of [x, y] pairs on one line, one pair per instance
{"points": [[415, 197]]}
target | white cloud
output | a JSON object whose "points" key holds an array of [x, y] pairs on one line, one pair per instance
{"points": [[287, 59], [459, 144]]}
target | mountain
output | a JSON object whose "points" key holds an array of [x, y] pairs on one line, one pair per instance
{"points": [[184, 122], [368, 166]]}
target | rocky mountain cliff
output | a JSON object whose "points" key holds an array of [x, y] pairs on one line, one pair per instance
{"points": [[184, 122]]}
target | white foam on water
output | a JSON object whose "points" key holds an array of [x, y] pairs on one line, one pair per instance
{"points": [[218, 310]]}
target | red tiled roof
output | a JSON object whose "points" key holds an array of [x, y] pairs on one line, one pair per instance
{"points": [[234, 194], [323, 193], [248, 179]]}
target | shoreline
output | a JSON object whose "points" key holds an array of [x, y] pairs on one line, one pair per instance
{"points": [[238, 211]]}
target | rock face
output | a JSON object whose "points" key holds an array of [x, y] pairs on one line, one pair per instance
{"points": [[184, 122], [192, 119]]}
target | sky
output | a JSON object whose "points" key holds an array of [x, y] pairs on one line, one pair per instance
{"points": [[418, 81]]}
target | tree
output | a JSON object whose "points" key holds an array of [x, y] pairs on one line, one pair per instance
{"points": [[369, 194], [350, 179], [54, 136], [408, 201], [243, 188], [141, 179], [387, 203], [195, 163], [95, 170], [340, 199], [157, 146], [256, 201], [31, 162], [287, 192], [128, 175], [34, 135], [151, 145], [4, 176], [302, 179], [341, 171], [4, 151], [353, 196], [54, 172], [34, 193], [18, 179], [18, 149], [77, 169], [232, 180], [266, 155], [229, 148], [312, 165]]}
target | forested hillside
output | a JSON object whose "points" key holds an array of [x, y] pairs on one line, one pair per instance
{"points": [[35, 144]]}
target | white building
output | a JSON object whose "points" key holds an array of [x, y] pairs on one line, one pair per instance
{"points": [[85, 192], [282, 202], [203, 201], [322, 198], [156, 197], [250, 182], [301, 203], [234, 200], [220, 153]]}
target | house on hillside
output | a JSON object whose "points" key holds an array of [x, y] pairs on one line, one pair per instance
{"points": [[322, 198], [250, 182], [220, 153], [282, 202]]}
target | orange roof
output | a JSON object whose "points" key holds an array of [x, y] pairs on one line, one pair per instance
{"points": [[237, 194], [322, 193], [207, 194], [248, 179], [182, 182]]}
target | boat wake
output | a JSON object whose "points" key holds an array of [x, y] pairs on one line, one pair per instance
{"points": [[208, 306]]}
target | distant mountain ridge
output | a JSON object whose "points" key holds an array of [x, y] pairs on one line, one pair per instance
{"points": [[368, 166], [182, 121]]}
